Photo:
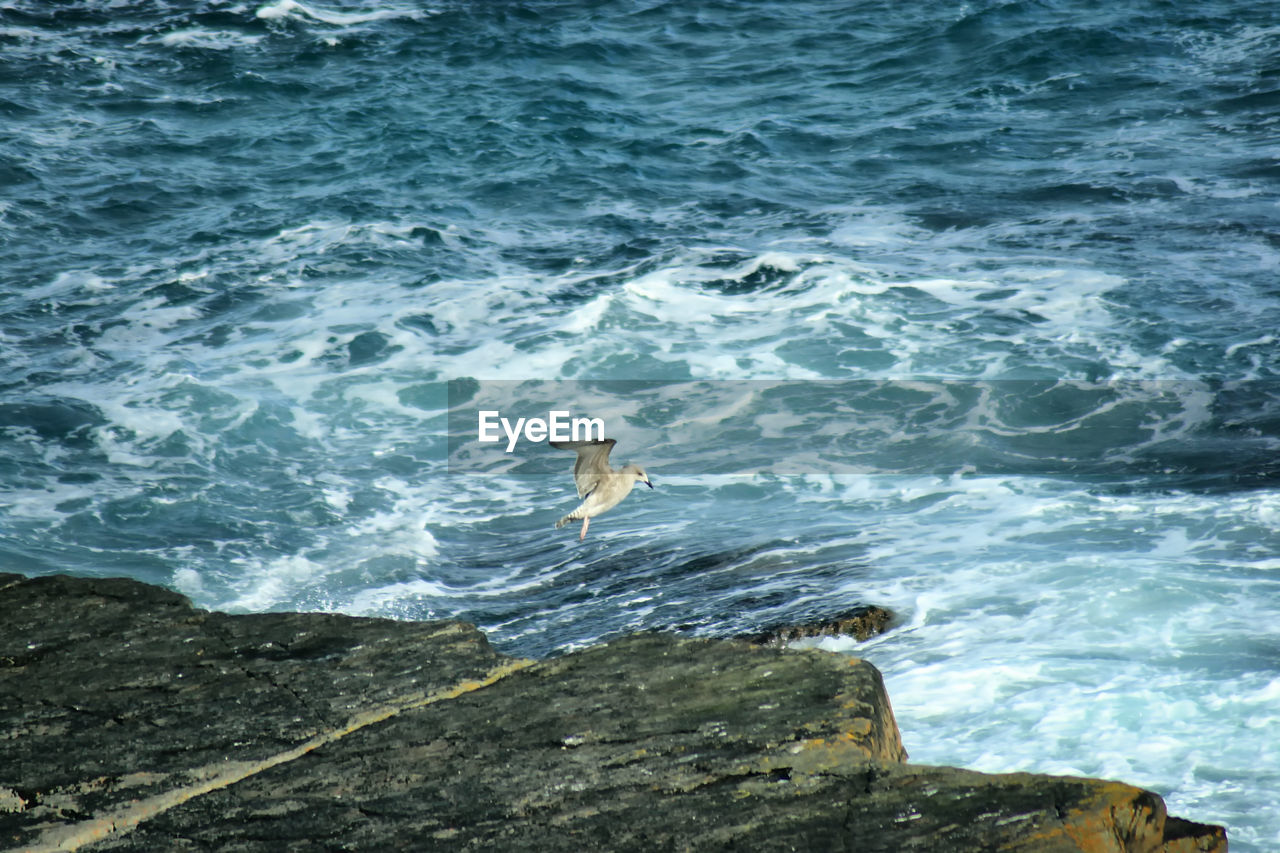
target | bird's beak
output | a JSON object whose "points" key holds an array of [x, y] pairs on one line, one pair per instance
{"points": [[649, 484]]}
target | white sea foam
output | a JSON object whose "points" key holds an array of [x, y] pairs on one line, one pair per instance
{"points": [[380, 601], [264, 586], [292, 8], [188, 582], [25, 33], [1142, 586], [823, 291], [205, 39], [711, 334]]}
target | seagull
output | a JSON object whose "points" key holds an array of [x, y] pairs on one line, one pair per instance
{"points": [[600, 487]]}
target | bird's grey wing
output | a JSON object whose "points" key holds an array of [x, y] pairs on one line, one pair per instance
{"points": [[592, 463]]}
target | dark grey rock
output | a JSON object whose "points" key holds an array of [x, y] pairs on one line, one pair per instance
{"points": [[134, 722], [112, 689]]}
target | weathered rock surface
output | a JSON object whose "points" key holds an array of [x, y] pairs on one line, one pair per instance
{"points": [[113, 690], [131, 721]]}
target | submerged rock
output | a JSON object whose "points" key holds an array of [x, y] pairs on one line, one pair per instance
{"points": [[862, 623], [134, 722]]}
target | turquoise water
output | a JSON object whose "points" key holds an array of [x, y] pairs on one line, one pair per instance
{"points": [[967, 310]]}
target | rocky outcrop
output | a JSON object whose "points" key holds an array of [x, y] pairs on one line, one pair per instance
{"points": [[131, 721]]}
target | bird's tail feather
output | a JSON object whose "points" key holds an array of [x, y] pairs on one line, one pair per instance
{"points": [[576, 515]]}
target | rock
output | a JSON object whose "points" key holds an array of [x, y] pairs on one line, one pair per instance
{"points": [[135, 722], [1184, 836], [113, 690], [862, 623]]}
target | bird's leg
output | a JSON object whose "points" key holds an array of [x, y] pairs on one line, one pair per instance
{"points": [[585, 522]]}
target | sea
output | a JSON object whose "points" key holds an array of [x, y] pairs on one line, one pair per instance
{"points": [[970, 310]]}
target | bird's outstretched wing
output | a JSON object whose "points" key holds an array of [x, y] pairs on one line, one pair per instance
{"points": [[592, 464]]}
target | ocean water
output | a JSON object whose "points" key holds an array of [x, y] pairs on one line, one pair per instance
{"points": [[965, 309]]}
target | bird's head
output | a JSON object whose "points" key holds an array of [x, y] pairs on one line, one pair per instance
{"points": [[641, 476]]}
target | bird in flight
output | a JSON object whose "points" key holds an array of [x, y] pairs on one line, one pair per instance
{"points": [[600, 487]]}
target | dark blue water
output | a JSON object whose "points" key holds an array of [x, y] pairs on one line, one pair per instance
{"points": [[968, 310]]}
